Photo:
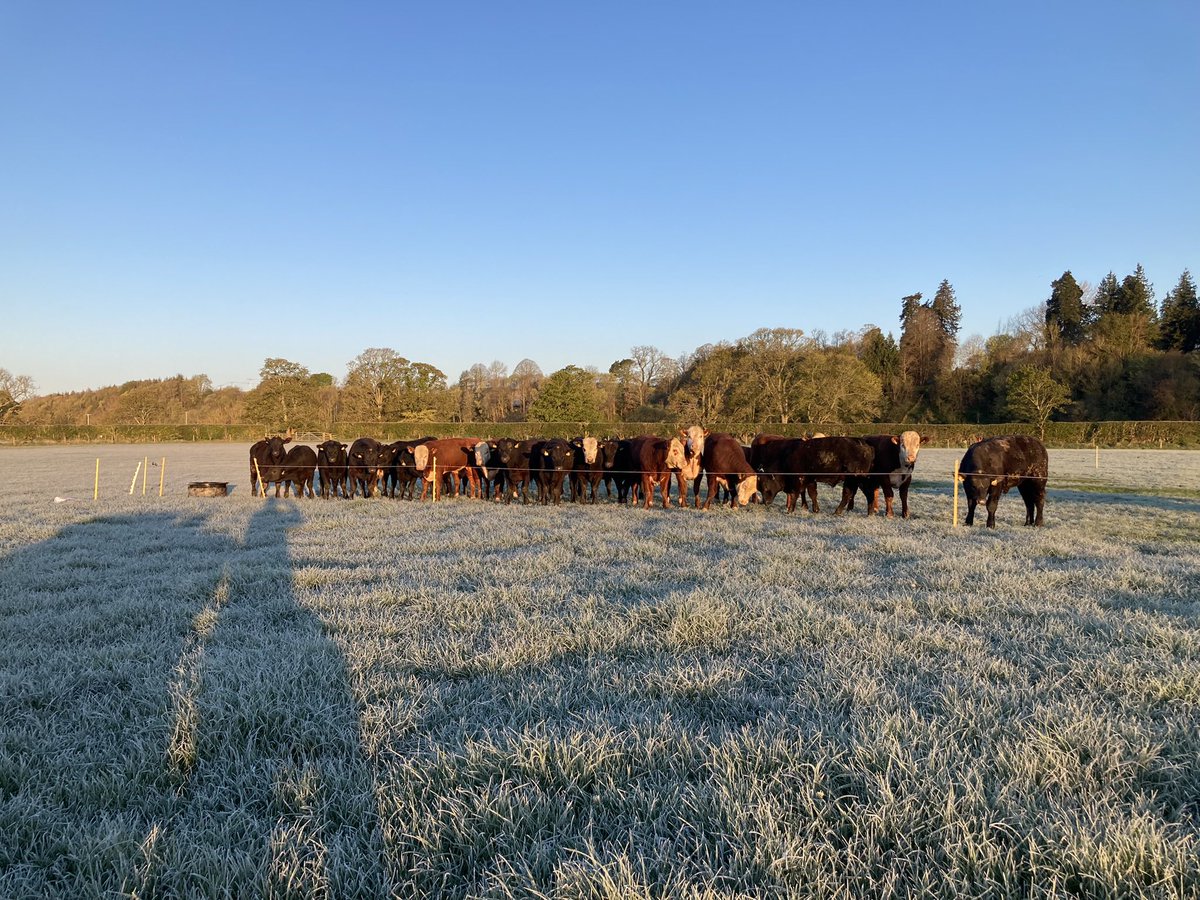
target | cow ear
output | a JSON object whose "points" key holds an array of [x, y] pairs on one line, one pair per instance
{"points": [[895, 438], [706, 432], [923, 438]]}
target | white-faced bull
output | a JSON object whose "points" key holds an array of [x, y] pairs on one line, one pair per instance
{"points": [[891, 470]]}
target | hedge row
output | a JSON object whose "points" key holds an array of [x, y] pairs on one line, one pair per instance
{"points": [[1058, 434]]}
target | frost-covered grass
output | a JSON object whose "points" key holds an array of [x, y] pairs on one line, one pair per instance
{"points": [[238, 697]]}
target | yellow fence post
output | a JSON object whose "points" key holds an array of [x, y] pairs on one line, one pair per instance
{"points": [[96, 483], [133, 484], [955, 513], [162, 474], [435, 480], [145, 470], [262, 487]]}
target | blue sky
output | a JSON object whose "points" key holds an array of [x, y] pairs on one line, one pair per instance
{"points": [[193, 188]]}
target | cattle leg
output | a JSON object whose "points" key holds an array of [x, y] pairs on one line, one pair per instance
{"points": [[993, 500], [846, 496], [812, 495], [972, 502], [904, 500], [1032, 493]]}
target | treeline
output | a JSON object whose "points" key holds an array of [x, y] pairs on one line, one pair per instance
{"points": [[1101, 353]]}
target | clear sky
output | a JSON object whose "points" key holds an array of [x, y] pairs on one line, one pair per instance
{"points": [[191, 188]]}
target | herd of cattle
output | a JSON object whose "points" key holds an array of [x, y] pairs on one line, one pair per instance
{"points": [[632, 468]]}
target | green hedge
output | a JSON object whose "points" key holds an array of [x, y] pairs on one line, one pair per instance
{"points": [[126, 434], [1058, 434]]}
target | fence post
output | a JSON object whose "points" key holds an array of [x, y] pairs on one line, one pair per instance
{"points": [[262, 487], [145, 472], [96, 483], [133, 483], [162, 474], [435, 480], [954, 524]]}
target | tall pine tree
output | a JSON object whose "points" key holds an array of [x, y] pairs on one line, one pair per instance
{"points": [[1128, 319], [1179, 323], [1107, 292], [949, 315], [1065, 313]]}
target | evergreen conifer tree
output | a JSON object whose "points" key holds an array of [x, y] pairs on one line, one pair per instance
{"points": [[1179, 323], [1065, 310]]}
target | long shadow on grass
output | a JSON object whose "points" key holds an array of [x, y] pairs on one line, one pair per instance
{"points": [[174, 723], [94, 621], [265, 748]]}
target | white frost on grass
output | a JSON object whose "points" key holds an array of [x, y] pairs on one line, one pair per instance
{"points": [[237, 696]]}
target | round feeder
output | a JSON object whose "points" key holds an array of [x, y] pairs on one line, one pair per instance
{"points": [[208, 489]]}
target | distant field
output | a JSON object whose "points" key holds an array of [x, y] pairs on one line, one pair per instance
{"points": [[236, 697]]}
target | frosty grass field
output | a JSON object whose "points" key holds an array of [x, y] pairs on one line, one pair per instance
{"points": [[239, 697]]}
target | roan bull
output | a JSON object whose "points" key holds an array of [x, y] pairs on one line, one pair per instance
{"points": [[996, 465]]}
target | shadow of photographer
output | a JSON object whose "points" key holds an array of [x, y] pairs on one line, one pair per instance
{"points": [[174, 721]]}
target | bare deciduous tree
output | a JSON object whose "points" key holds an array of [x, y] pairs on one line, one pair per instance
{"points": [[14, 390]]}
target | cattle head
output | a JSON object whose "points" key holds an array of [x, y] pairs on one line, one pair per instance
{"points": [[364, 452], [746, 489], [389, 453], [910, 446], [332, 452], [483, 455], [770, 485], [694, 440], [421, 458], [607, 451], [404, 459], [506, 450], [557, 455], [677, 456], [590, 448], [275, 453]]}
